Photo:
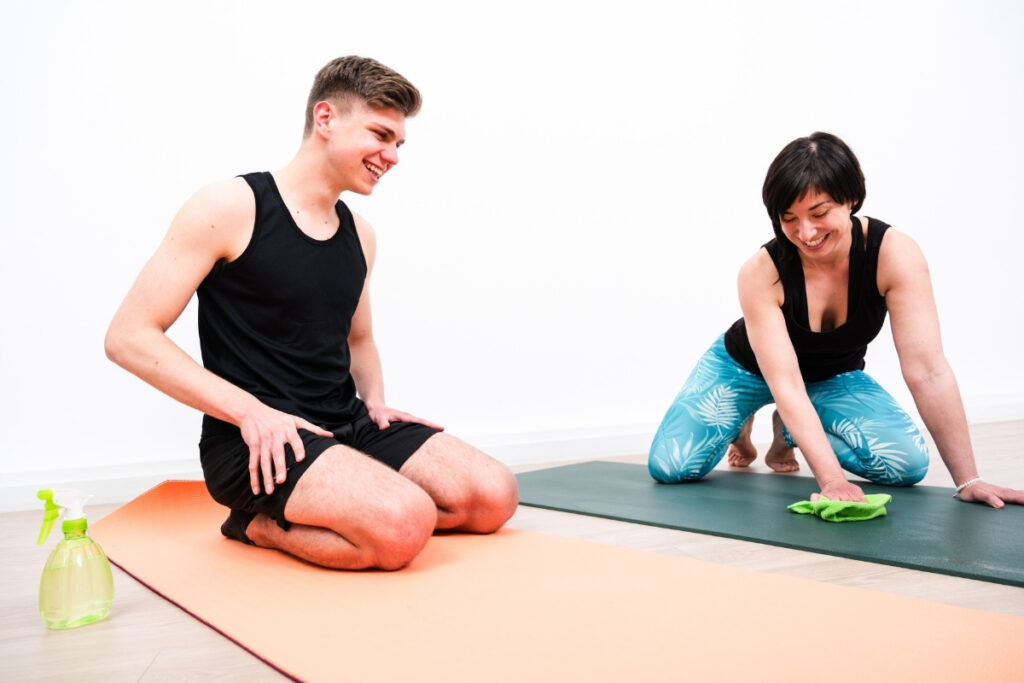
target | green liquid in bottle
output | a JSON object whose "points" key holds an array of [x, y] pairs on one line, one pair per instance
{"points": [[77, 587]]}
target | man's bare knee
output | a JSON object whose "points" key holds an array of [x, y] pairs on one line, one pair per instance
{"points": [[401, 532], [494, 501], [380, 520]]}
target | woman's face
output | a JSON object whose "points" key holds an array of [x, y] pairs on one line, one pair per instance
{"points": [[817, 225]]}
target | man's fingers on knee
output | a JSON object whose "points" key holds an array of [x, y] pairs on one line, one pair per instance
{"points": [[279, 463], [408, 417], [254, 469], [265, 468], [299, 450], [310, 427]]}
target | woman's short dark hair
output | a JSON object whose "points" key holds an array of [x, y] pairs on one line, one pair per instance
{"points": [[820, 162]]}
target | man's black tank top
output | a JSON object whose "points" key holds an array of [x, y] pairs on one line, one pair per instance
{"points": [[275, 321], [826, 354]]}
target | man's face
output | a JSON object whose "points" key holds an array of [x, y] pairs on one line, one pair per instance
{"points": [[364, 144]]}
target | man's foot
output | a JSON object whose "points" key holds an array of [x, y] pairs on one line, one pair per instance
{"points": [[236, 524], [780, 456], [742, 451]]}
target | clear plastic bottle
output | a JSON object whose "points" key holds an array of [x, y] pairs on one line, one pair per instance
{"points": [[77, 587]]}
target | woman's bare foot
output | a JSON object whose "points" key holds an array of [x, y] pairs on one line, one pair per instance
{"points": [[742, 451], [780, 457]]}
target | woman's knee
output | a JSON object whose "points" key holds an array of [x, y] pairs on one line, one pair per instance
{"points": [[670, 463], [706, 416], [889, 463], [905, 470], [664, 475]]}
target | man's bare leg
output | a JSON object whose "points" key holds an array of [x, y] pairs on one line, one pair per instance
{"points": [[780, 457], [349, 511], [742, 451], [473, 491]]}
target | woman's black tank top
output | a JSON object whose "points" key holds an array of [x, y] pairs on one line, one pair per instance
{"points": [[826, 354], [275, 321]]}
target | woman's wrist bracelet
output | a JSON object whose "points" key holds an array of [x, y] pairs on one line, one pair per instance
{"points": [[961, 487]]}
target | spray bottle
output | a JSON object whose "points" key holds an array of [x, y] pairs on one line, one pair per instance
{"points": [[77, 585]]}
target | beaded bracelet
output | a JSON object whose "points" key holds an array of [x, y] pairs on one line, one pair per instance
{"points": [[961, 487]]}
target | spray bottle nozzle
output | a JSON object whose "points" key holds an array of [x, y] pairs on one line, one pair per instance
{"points": [[58, 501], [50, 516]]}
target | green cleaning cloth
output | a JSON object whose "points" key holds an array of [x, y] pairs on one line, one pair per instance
{"points": [[842, 510]]}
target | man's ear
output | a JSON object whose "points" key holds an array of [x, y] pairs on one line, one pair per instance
{"points": [[323, 113]]}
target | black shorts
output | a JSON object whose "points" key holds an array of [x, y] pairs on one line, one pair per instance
{"points": [[224, 456]]}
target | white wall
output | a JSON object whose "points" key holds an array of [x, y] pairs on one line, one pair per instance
{"points": [[560, 241]]}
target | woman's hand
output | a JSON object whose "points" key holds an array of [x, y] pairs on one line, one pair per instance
{"points": [[840, 489], [990, 494]]}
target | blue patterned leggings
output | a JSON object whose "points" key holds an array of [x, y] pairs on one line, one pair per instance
{"points": [[872, 436]]}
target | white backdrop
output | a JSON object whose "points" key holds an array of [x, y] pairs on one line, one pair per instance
{"points": [[561, 239]]}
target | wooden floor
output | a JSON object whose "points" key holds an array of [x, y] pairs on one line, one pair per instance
{"points": [[148, 639]]}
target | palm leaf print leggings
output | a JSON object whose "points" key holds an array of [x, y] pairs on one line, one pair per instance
{"points": [[872, 436]]}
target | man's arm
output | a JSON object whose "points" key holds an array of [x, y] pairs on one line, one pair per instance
{"points": [[214, 224], [366, 367]]}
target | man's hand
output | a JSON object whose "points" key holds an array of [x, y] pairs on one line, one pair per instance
{"points": [[266, 431], [990, 494], [384, 416], [840, 489]]}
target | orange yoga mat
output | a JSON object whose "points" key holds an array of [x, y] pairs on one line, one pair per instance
{"points": [[521, 606]]}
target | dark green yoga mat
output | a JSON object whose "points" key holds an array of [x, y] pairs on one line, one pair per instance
{"points": [[925, 528]]}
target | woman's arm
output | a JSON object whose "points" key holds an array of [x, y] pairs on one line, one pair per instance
{"points": [[904, 280], [761, 297]]}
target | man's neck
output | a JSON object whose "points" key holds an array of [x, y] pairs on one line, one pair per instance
{"points": [[306, 180]]}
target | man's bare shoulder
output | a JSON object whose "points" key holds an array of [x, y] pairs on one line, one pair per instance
{"points": [[224, 199], [367, 238], [219, 216], [363, 227]]}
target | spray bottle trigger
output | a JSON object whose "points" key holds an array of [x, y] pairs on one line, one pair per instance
{"points": [[50, 516]]}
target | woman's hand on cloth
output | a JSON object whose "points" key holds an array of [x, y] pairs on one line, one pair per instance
{"points": [[840, 489]]}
